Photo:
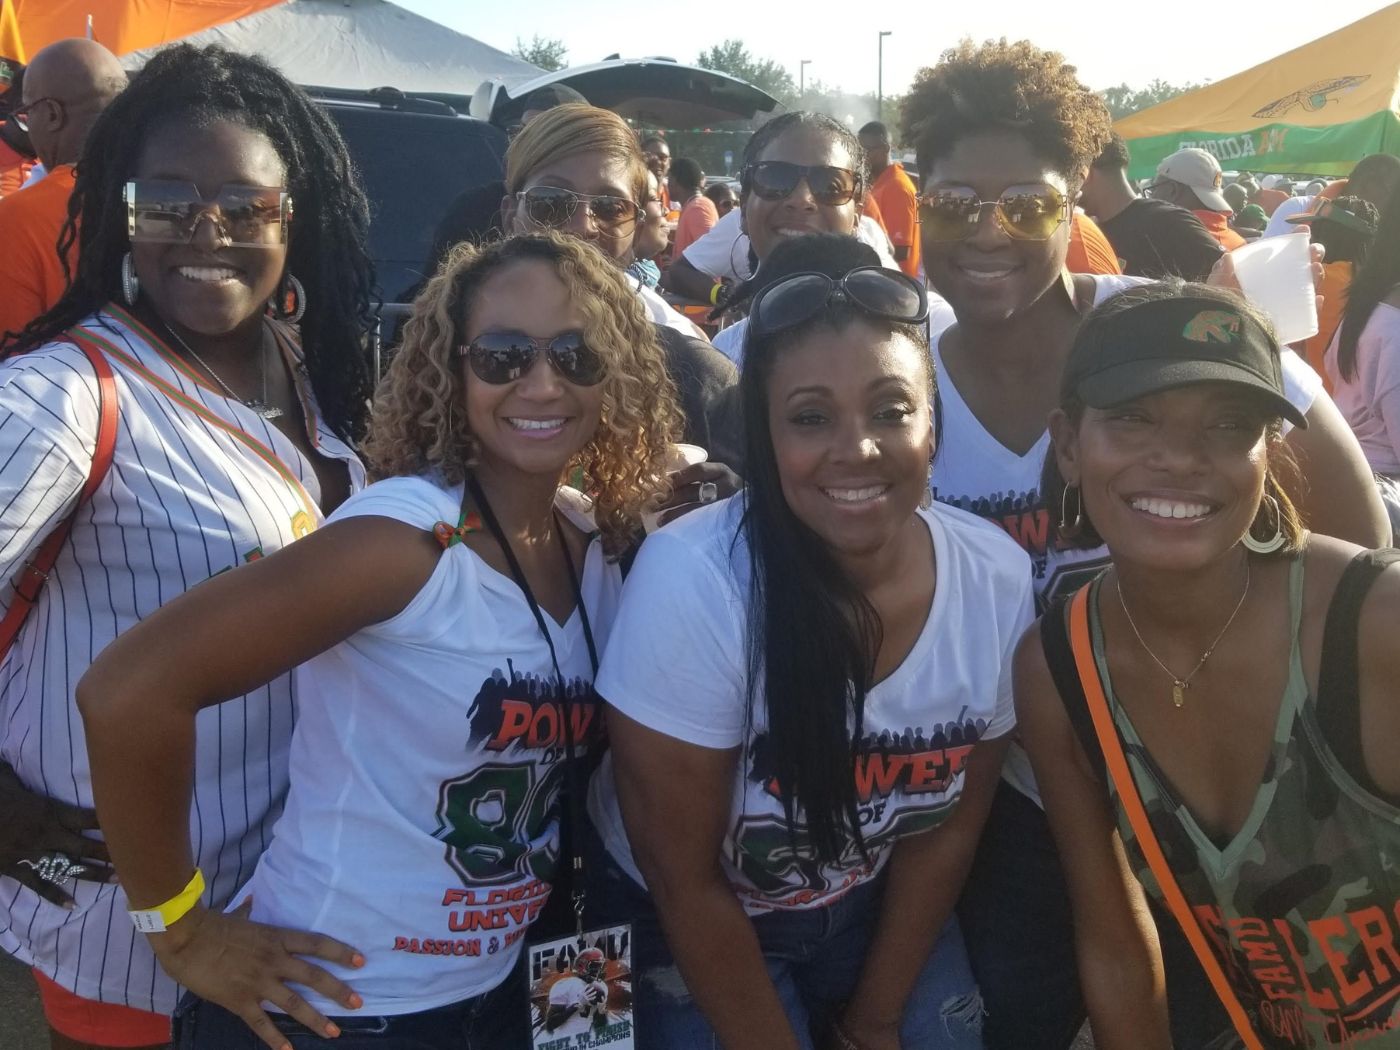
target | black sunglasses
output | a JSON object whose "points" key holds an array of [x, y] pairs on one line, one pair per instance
{"points": [[886, 294], [774, 180], [553, 206], [503, 357], [21, 113]]}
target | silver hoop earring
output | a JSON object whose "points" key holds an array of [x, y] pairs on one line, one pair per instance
{"points": [[1275, 541], [1070, 529], [131, 285], [290, 286]]}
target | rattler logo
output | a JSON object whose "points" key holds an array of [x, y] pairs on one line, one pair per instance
{"points": [[1212, 326], [1312, 98]]}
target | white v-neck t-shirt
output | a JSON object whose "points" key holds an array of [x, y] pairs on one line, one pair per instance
{"points": [[677, 663]]}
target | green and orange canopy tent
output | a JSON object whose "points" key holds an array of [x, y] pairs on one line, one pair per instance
{"points": [[1316, 109]]}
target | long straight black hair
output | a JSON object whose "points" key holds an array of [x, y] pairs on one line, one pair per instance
{"points": [[812, 634], [1372, 283]]}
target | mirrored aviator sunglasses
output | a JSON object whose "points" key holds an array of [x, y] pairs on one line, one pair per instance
{"points": [[552, 206], [503, 357], [885, 294], [775, 180], [1024, 213], [169, 212]]}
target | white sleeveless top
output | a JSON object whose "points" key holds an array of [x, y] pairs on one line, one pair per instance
{"points": [[426, 763], [199, 484]]}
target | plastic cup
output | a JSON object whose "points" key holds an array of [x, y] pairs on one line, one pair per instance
{"points": [[679, 457], [1275, 274]]}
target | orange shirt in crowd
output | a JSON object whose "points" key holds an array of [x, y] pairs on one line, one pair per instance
{"points": [[898, 201], [31, 276], [1218, 225], [14, 169], [1268, 200], [870, 208], [697, 218], [1336, 279], [1089, 250]]}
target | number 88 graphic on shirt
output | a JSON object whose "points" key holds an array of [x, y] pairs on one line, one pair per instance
{"points": [[494, 822]]}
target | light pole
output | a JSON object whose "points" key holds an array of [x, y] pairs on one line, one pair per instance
{"points": [[880, 79], [802, 79]]}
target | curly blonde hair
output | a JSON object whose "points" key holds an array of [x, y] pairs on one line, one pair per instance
{"points": [[998, 84], [412, 424]]}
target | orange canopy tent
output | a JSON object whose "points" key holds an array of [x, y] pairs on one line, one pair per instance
{"points": [[121, 25]]}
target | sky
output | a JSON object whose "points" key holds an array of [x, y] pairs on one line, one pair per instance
{"points": [[1128, 42]]}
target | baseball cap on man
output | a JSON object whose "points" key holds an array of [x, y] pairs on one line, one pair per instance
{"points": [[1128, 352], [1201, 171]]}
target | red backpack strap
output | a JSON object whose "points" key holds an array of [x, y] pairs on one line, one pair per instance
{"points": [[30, 580], [1117, 763]]}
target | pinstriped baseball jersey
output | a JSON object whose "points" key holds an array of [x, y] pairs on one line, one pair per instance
{"points": [[199, 484]]}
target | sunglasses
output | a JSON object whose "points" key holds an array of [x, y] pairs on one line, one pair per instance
{"points": [[21, 114], [552, 206], [886, 294], [169, 212], [503, 357], [775, 180], [1024, 213]]}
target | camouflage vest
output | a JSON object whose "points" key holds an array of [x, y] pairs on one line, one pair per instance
{"points": [[1302, 907]]}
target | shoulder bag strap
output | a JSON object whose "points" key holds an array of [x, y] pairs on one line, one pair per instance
{"points": [[1117, 763], [1059, 657], [30, 580]]}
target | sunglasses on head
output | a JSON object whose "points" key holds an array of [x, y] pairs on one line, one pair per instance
{"points": [[774, 180], [1024, 213], [503, 357], [169, 212], [886, 294], [552, 206]]}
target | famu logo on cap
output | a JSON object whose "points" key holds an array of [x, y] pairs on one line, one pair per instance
{"points": [[1213, 326]]}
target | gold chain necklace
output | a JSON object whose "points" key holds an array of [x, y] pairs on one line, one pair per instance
{"points": [[1180, 685]]}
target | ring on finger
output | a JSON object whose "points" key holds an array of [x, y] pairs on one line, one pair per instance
{"points": [[709, 492], [55, 868]]}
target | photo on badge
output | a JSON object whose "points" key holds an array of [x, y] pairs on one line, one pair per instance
{"points": [[581, 991]]}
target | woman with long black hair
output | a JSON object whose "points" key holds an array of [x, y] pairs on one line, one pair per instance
{"points": [[809, 701]]}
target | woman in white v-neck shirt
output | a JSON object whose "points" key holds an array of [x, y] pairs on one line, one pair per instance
{"points": [[809, 704], [446, 623]]}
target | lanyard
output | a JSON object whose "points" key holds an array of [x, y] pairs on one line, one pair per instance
{"points": [[473, 492]]}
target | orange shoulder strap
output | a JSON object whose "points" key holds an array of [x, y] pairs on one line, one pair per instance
{"points": [[1117, 764], [30, 580]]}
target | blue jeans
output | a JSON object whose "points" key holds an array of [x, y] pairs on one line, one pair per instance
{"points": [[496, 1020], [814, 958]]}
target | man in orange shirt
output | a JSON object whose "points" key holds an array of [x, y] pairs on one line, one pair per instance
{"points": [[1191, 178], [896, 195], [1090, 251], [698, 213], [66, 87]]}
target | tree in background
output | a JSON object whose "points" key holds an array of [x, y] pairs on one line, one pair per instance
{"points": [[548, 54], [1124, 101], [733, 57]]}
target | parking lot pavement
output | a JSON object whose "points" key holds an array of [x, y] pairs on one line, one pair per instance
{"points": [[21, 1022]]}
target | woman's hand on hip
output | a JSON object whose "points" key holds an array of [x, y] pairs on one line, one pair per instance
{"points": [[39, 836], [239, 964]]}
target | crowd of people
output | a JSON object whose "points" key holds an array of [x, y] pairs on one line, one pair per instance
{"points": [[968, 622]]}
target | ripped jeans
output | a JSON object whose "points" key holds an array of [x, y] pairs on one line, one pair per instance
{"points": [[814, 958]]}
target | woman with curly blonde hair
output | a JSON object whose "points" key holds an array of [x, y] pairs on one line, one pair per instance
{"points": [[444, 627]]}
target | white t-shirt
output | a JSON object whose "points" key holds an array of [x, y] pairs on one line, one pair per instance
{"points": [[976, 472], [723, 252], [678, 664], [426, 762], [1278, 221], [1371, 401], [659, 311]]}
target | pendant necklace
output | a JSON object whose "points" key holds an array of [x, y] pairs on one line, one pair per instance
{"points": [[258, 405], [1180, 685]]}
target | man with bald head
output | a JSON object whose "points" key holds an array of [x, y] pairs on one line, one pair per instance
{"points": [[66, 87]]}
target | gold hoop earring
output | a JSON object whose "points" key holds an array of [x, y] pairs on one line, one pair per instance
{"points": [[1275, 541], [1070, 529]]}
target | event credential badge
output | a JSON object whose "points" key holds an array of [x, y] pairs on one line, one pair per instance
{"points": [[581, 991]]}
